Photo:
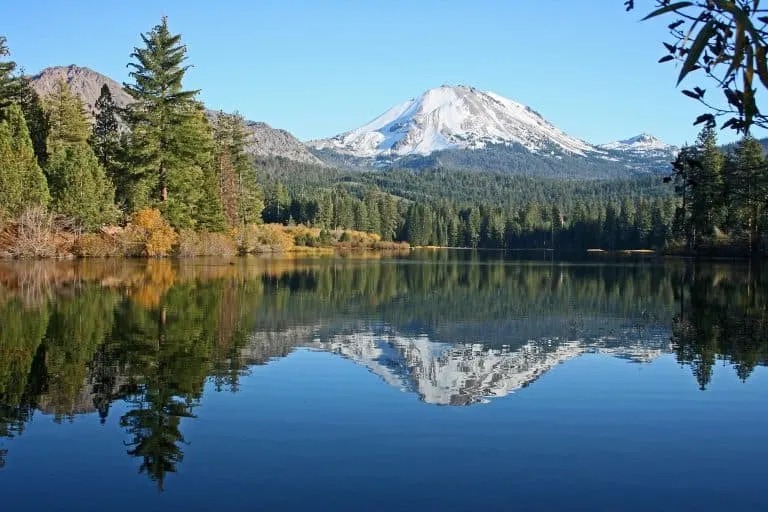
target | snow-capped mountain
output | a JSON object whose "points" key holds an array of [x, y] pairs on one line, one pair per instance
{"points": [[642, 153], [453, 373], [461, 127], [453, 117], [464, 374], [639, 143]]}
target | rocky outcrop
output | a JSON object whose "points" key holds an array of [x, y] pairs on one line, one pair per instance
{"points": [[263, 140], [266, 141], [84, 82]]}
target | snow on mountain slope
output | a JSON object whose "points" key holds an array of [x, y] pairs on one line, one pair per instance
{"points": [[453, 117], [469, 373], [639, 143]]}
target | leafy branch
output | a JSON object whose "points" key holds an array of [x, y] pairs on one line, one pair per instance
{"points": [[726, 40]]}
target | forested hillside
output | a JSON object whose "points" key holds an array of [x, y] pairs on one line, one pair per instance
{"points": [[162, 175]]}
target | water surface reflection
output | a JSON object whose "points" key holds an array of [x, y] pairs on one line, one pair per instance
{"points": [[79, 337]]}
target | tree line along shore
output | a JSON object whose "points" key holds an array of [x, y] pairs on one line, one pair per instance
{"points": [[164, 176]]}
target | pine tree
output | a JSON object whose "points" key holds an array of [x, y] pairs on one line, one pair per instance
{"points": [[611, 226], [17, 89], [9, 82], [194, 199], [105, 135], [749, 189], [643, 224], [685, 179], [325, 211], [277, 203], [343, 209], [79, 186], [227, 181], [374, 216], [390, 217], [210, 212], [659, 229], [625, 229], [414, 225], [361, 216], [241, 195], [474, 219], [453, 231], [706, 200], [22, 183], [37, 121], [67, 119], [167, 142]]}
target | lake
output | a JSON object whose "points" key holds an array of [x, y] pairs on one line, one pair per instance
{"points": [[436, 380]]}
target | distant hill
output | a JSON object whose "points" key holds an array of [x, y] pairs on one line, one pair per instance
{"points": [[263, 140], [84, 82]]}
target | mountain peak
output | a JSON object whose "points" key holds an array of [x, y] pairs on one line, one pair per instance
{"points": [[263, 140], [641, 142], [642, 138], [452, 117], [83, 81]]}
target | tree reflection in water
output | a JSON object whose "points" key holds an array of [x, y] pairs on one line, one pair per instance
{"points": [[76, 337]]}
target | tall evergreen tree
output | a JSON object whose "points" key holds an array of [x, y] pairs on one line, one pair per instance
{"points": [[390, 217], [277, 203], [325, 211], [749, 190], [374, 216], [22, 182], [78, 182], [67, 119], [194, 201], [37, 121], [105, 135], [167, 139], [79, 186], [17, 89], [241, 195], [706, 204], [685, 179], [9, 82]]}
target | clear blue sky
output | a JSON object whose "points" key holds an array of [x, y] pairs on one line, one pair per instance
{"points": [[317, 68]]}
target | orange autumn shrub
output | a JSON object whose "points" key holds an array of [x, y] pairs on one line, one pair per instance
{"points": [[98, 245], [193, 243], [259, 238], [149, 234]]}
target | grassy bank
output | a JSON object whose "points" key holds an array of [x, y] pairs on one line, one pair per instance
{"points": [[38, 234]]}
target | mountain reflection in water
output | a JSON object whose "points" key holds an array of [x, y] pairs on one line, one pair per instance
{"points": [[78, 337]]}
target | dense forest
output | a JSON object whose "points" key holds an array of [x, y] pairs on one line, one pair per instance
{"points": [[165, 171]]}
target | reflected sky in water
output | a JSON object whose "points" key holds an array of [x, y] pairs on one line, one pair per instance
{"points": [[458, 381]]}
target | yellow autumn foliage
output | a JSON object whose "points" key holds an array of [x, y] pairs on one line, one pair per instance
{"points": [[149, 234]]}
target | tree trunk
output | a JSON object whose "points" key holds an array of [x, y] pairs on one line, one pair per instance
{"points": [[754, 235], [163, 186]]}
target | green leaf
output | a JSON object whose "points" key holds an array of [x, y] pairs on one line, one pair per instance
{"points": [[738, 51], [691, 94], [673, 26], [698, 45], [668, 8], [762, 68]]}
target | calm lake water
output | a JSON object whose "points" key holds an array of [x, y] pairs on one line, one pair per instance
{"points": [[451, 381]]}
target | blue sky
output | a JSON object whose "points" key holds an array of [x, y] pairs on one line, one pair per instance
{"points": [[317, 68]]}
